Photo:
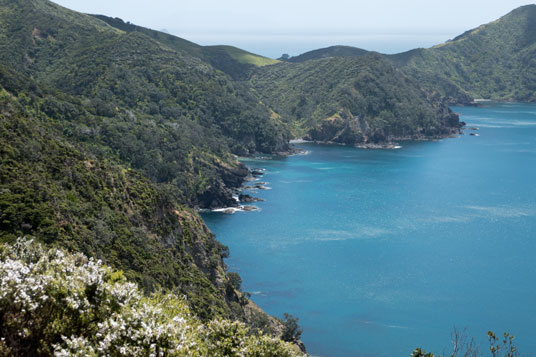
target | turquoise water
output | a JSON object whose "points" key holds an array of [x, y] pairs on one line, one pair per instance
{"points": [[381, 251]]}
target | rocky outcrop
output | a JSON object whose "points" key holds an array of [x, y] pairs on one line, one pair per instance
{"points": [[220, 193], [216, 195], [248, 198]]}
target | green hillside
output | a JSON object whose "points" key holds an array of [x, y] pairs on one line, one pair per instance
{"points": [[493, 61], [55, 190], [352, 100], [233, 61], [155, 104]]}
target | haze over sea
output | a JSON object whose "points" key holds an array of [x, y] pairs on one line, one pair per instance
{"points": [[381, 251]]}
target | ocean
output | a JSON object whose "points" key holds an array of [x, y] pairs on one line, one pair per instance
{"points": [[378, 252]]}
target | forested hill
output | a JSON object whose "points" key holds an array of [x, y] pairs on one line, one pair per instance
{"points": [[429, 118], [151, 105], [353, 100], [57, 191], [493, 61]]}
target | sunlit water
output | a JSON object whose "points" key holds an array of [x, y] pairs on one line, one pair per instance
{"points": [[381, 251]]}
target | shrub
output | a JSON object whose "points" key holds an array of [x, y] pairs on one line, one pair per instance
{"points": [[56, 303]]}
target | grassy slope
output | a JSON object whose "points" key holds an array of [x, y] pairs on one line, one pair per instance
{"points": [[246, 57]]}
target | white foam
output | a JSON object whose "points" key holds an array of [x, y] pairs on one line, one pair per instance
{"points": [[299, 141], [502, 211]]}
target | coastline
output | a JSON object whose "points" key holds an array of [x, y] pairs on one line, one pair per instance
{"points": [[254, 173]]}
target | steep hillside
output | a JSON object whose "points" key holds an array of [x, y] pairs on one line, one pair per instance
{"points": [[54, 189], [352, 100], [66, 197], [156, 105], [493, 61]]}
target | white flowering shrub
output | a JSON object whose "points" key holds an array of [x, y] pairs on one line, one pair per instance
{"points": [[55, 303]]}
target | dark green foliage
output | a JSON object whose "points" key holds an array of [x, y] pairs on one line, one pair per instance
{"points": [[235, 281], [352, 100], [291, 330], [493, 61], [107, 135]]}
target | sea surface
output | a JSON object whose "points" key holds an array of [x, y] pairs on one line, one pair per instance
{"points": [[382, 251]]}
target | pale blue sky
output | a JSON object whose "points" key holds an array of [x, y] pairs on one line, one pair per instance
{"points": [[295, 26]]}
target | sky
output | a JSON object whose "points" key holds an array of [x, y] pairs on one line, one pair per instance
{"points": [[274, 27]]}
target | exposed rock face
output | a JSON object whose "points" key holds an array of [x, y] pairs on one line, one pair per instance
{"points": [[233, 176]]}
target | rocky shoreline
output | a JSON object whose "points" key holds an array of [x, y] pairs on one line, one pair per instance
{"points": [[241, 201]]}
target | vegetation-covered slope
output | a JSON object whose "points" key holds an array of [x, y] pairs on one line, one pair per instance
{"points": [[493, 61], [352, 100], [235, 62], [64, 196], [156, 105]]}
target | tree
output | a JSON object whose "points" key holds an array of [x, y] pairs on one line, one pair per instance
{"points": [[235, 281], [291, 331]]}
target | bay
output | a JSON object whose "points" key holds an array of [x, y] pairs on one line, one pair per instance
{"points": [[382, 251]]}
